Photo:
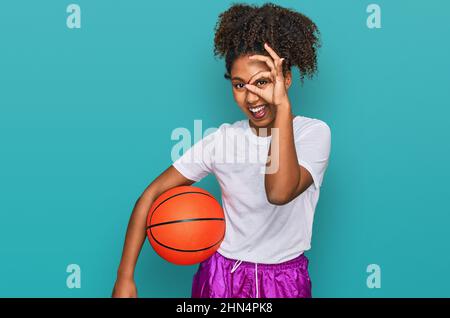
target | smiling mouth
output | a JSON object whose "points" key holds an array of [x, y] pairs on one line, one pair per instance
{"points": [[259, 112]]}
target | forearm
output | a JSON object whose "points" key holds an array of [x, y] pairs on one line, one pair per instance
{"points": [[281, 183], [136, 234]]}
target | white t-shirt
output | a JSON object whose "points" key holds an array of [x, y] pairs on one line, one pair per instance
{"points": [[256, 230]]}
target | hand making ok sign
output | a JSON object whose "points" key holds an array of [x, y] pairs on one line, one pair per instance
{"points": [[278, 95]]}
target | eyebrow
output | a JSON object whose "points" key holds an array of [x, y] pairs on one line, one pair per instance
{"points": [[240, 79]]}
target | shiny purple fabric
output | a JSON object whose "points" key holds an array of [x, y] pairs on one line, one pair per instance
{"points": [[214, 279]]}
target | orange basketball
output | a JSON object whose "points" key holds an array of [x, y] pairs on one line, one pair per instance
{"points": [[185, 225]]}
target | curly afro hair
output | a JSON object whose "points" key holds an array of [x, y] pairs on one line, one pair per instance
{"points": [[243, 29]]}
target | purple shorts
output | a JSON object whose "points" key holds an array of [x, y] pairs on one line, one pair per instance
{"points": [[221, 277]]}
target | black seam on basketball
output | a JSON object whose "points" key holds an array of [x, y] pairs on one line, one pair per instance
{"points": [[188, 251], [186, 220], [151, 216]]}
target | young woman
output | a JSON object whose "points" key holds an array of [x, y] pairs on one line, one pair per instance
{"points": [[269, 202]]}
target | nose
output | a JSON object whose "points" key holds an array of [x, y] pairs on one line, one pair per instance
{"points": [[251, 98]]}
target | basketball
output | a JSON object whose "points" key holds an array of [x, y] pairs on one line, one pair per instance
{"points": [[185, 225]]}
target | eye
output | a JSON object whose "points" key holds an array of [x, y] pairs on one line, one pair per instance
{"points": [[237, 86], [262, 82]]}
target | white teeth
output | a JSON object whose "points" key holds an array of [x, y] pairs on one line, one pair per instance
{"points": [[257, 109]]}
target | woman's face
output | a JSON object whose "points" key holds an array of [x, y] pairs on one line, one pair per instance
{"points": [[247, 71]]}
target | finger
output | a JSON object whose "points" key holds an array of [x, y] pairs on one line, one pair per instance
{"points": [[277, 60], [272, 75], [265, 59], [260, 92], [271, 52], [275, 75], [260, 75], [279, 66]]}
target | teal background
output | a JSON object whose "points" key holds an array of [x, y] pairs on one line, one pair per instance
{"points": [[86, 117]]}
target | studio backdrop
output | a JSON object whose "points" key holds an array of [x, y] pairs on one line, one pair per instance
{"points": [[92, 91]]}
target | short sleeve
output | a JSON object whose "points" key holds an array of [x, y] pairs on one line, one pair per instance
{"points": [[313, 145], [197, 162]]}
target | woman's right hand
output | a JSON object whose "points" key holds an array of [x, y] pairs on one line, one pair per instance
{"points": [[124, 288], [136, 232]]}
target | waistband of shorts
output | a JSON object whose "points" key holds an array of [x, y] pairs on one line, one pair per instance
{"points": [[295, 262]]}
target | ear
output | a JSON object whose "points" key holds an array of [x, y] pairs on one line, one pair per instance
{"points": [[288, 79]]}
